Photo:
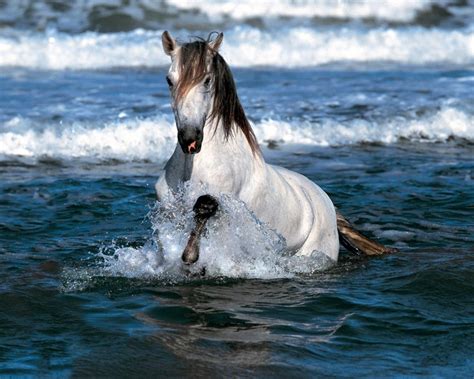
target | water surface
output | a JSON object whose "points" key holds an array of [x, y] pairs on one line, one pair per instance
{"points": [[85, 290]]}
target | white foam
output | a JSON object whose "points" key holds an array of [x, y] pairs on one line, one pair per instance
{"points": [[154, 139], [59, 51], [236, 245], [125, 140], [307, 47], [400, 10], [243, 47], [447, 122]]}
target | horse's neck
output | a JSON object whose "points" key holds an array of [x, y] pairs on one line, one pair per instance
{"points": [[221, 153], [223, 163]]}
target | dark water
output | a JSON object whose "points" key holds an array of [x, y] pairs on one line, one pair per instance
{"points": [[375, 107], [408, 314]]}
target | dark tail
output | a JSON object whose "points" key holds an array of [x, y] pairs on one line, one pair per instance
{"points": [[356, 242]]}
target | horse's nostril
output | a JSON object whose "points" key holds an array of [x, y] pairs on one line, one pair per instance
{"points": [[192, 147]]}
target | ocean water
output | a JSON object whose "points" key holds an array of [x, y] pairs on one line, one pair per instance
{"points": [[372, 100]]}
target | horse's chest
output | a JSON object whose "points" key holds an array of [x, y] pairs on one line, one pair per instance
{"points": [[221, 181]]}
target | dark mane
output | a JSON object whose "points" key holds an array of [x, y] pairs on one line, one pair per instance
{"points": [[227, 107]]}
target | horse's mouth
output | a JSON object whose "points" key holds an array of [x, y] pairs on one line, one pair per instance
{"points": [[191, 147]]}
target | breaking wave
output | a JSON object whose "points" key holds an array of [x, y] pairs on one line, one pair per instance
{"points": [[153, 139], [444, 125], [243, 47], [131, 140]]}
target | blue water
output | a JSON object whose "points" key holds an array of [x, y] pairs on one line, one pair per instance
{"points": [[82, 294]]}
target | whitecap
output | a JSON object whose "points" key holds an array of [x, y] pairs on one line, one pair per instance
{"points": [[446, 123], [243, 47], [154, 139], [123, 140]]}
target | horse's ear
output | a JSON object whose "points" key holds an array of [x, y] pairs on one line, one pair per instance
{"points": [[169, 43], [215, 44]]}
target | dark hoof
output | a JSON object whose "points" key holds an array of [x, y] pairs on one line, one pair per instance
{"points": [[195, 274], [205, 207]]}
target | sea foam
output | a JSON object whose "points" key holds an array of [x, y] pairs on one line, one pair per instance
{"points": [[153, 139], [243, 47], [130, 140], [439, 127]]}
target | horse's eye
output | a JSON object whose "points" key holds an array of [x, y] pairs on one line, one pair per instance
{"points": [[170, 83], [207, 81]]}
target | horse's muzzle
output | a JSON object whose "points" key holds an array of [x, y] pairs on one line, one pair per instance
{"points": [[190, 141]]}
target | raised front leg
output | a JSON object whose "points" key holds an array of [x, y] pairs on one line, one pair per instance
{"points": [[204, 208]]}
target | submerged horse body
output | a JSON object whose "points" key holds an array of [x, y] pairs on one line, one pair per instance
{"points": [[217, 147]]}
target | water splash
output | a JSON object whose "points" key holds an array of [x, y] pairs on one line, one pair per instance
{"points": [[235, 245]]}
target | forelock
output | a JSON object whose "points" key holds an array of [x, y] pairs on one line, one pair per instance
{"points": [[193, 64]]}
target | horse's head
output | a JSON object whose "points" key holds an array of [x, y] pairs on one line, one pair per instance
{"points": [[190, 79]]}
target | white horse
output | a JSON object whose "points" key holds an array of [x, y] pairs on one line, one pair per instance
{"points": [[217, 147]]}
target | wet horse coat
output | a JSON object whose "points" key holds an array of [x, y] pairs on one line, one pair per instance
{"points": [[217, 148]]}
